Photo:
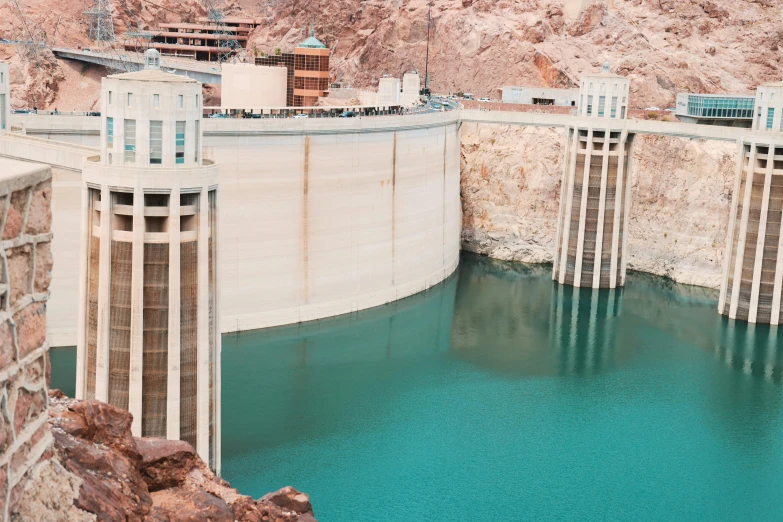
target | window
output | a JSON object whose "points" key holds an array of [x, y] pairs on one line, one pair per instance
{"points": [[197, 100], [622, 113], [1, 78], [180, 101], [109, 97], [130, 99], [589, 105], [614, 107], [195, 154], [770, 117], [180, 142], [110, 133], [130, 141], [156, 142], [601, 104], [156, 100]]}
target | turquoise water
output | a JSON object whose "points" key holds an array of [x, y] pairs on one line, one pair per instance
{"points": [[499, 395]]}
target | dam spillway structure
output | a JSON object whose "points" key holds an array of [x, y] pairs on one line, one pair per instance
{"points": [[148, 336], [753, 265], [594, 198]]}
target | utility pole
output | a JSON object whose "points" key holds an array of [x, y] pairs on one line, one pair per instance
{"points": [[427, 58]]}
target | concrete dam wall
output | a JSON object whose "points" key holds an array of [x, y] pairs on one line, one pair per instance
{"points": [[317, 218]]}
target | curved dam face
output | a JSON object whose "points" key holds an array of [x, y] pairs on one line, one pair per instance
{"points": [[317, 218], [316, 225]]}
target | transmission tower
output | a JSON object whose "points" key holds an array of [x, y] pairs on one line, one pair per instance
{"points": [[101, 21], [226, 39]]}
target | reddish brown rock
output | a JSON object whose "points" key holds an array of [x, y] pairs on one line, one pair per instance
{"points": [[165, 463], [112, 487], [14, 221], [30, 328], [101, 423], [39, 217], [189, 504], [7, 351], [29, 404], [290, 499], [20, 262], [43, 267]]}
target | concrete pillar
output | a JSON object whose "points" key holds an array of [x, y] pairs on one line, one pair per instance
{"points": [[564, 187], [626, 207], [81, 328], [583, 211], [218, 342], [568, 190], [136, 369], [761, 236], [104, 285], [599, 234], [618, 210], [173, 381], [202, 380], [732, 223], [740, 254]]}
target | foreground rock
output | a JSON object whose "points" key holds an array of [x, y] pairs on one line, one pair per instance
{"points": [[99, 471]]}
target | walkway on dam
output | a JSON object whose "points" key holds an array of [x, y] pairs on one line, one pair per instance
{"points": [[36, 124], [203, 72]]}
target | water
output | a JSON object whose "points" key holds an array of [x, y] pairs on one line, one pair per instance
{"points": [[499, 395]]}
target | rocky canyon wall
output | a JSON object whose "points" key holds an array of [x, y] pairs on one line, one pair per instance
{"points": [[680, 190]]}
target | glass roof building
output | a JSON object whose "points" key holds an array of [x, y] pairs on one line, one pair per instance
{"points": [[715, 109]]}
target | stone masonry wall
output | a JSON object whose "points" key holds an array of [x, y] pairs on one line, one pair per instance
{"points": [[25, 273]]}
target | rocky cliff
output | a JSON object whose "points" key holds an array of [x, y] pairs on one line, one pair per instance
{"points": [[96, 470], [680, 190], [663, 46]]}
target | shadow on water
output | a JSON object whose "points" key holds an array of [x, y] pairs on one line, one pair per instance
{"points": [[513, 319]]}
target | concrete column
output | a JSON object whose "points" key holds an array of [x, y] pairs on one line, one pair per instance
{"points": [[732, 223], [760, 238], [626, 209], [560, 214], [591, 333], [583, 211], [81, 328], [218, 341], [104, 284], [136, 369], [568, 187], [735, 291], [599, 234], [776, 297], [175, 323], [572, 340], [202, 368], [618, 208]]}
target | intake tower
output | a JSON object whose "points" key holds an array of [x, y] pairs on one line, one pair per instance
{"points": [[149, 329]]}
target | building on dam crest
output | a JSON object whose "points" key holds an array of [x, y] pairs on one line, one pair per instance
{"points": [[753, 266], [148, 336], [591, 244]]}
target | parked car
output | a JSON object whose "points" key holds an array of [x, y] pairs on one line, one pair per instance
{"points": [[20, 111], [348, 114], [301, 115], [484, 99], [86, 50], [652, 109]]}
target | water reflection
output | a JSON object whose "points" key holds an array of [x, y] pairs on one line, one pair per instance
{"points": [[513, 319], [753, 349], [584, 329]]}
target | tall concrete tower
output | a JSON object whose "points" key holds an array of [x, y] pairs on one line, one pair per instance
{"points": [[149, 330], [753, 265], [5, 97], [594, 197]]}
